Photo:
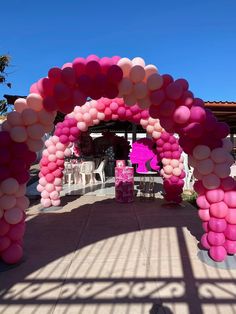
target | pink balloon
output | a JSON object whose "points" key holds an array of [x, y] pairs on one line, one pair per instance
{"points": [[230, 198], [230, 232], [231, 216], [181, 115], [202, 202], [219, 210], [217, 225], [17, 231], [216, 238], [204, 241], [204, 214], [230, 246], [218, 253], [13, 254], [215, 196]]}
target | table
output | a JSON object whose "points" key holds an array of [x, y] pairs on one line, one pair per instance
{"points": [[146, 184], [124, 184]]}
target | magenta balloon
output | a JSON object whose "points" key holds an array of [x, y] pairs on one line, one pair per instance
{"points": [[204, 241], [5, 242], [174, 90], [4, 227], [218, 253], [222, 130], [5, 155], [167, 154], [205, 226], [230, 232], [115, 74], [167, 147], [230, 198], [54, 74], [5, 173], [5, 139], [219, 210], [154, 112], [64, 139], [197, 114], [50, 177], [174, 147], [17, 231], [13, 254], [216, 238], [68, 76], [181, 115], [228, 184], [165, 136], [215, 196], [199, 188], [183, 83], [202, 202], [157, 97], [230, 246], [176, 155], [194, 130], [217, 225], [92, 68]]}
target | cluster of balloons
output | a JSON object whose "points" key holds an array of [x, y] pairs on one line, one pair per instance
{"points": [[147, 96], [20, 139], [73, 83], [51, 167], [139, 80], [92, 113], [170, 152]]}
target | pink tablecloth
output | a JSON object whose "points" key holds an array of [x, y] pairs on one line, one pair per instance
{"points": [[124, 184]]}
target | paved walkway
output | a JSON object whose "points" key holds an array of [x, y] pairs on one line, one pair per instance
{"points": [[95, 256]]}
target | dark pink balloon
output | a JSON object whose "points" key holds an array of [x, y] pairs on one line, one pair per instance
{"points": [[5, 242], [54, 74], [167, 79], [50, 103], [111, 91], [84, 84], [79, 66], [4, 227], [174, 90], [157, 97], [183, 83], [115, 74], [92, 68], [17, 231], [50, 177], [194, 130], [5, 155], [68, 76], [4, 172], [61, 92], [13, 254], [5, 139]]}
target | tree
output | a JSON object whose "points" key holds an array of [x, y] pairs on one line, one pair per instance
{"points": [[4, 63]]}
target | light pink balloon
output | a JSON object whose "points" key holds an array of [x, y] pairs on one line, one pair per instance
{"points": [[137, 73], [52, 157], [9, 186], [205, 166], [46, 202], [211, 181], [13, 215], [177, 172], [59, 154], [22, 202], [201, 152], [20, 104], [52, 149], [14, 118], [7, 201], [45, 194], [222, 170], [219, 155], [18, 134], [56, 202], [40, 188], [49, 187], [35, 101], [202, 202]]}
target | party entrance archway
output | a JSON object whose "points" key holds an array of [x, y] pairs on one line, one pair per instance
{"points": [[201, 136]]}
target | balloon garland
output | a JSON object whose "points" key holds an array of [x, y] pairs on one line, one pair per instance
{"points": [[52, 162], [201, 136]]}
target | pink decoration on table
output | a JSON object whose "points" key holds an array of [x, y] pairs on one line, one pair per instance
{"points": [[120, 163], [142, 153], [124, 184]]}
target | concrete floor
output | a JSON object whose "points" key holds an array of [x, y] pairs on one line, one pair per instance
{"points": [[96, 256]]}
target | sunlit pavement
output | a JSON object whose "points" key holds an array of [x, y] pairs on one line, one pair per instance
{"points": [[94, 255]]}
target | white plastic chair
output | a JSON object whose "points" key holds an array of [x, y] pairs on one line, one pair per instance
{"points": [[86, 170], [233, 171], [68, 173], [100, 170]]}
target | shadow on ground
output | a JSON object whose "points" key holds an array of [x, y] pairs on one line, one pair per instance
{"points": [[66, 241]]}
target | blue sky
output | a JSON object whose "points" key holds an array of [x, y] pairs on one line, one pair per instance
{"points": [[195, 40]]}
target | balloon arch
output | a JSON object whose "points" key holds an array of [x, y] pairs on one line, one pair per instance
{"points": [[122, 89]]}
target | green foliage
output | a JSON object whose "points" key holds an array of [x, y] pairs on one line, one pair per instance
{"points": [[4, 63]]}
